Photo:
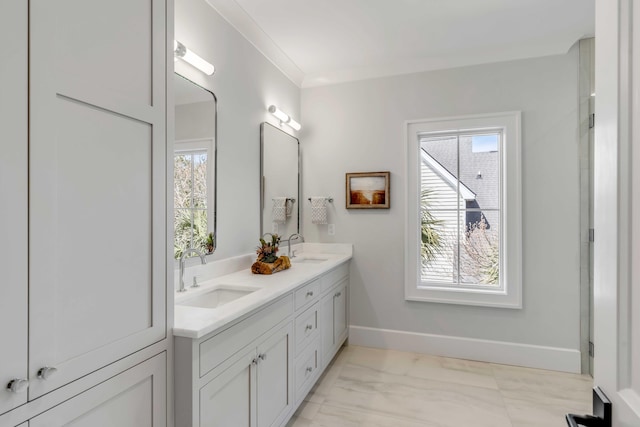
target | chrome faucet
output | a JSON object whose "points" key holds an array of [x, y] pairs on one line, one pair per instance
{"points": [[182, 257], [293, 236]]}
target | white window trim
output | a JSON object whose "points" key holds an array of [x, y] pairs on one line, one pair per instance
{"points": [[510, 294]]}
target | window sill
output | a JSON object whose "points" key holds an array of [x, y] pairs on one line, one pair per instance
{"points": [[479, 297]]}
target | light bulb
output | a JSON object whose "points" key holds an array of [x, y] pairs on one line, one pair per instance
{"points": [[279, 114], [292, 123], [181, 51]]}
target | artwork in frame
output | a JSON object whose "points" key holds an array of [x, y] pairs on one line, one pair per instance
{"points": [[368, 190]]}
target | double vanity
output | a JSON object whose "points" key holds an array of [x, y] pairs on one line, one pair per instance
{"points": [[248, 348]]}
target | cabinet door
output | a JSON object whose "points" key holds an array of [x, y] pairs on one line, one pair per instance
{"points": [[274, 381], [340, 307], [134, 398], [228, 400], [326, 327], [13, 193], [97, 184], [334, 320]]}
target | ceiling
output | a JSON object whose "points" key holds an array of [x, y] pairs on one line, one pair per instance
{"points": [[317, 42]]}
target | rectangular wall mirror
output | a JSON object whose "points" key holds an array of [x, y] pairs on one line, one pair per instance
{"points": [[280, 186], [194, 187]]}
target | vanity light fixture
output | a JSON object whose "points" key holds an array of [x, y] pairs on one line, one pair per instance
{"points": [[181, 51], [284, 117]]}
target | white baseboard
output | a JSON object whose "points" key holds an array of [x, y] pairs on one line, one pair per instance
{"points": [[506, 353]]}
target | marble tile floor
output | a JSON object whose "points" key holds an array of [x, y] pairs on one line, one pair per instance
{"points": [[384, 388]]}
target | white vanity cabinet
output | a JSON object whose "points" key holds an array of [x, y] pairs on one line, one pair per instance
{"points": [[239, 376], [334, 314], [255, 371], [255, 391], [83, 180]]}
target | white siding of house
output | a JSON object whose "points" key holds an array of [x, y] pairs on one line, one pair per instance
{"points": [[443, 196]]}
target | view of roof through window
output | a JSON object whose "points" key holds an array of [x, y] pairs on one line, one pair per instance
{"points": [[460, 208]]}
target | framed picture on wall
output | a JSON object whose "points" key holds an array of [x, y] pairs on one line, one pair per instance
{"points": [[368, 190]]}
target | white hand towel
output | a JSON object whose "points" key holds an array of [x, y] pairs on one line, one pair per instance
{"points": [[319, 210], [289, 207], [279, 210]]}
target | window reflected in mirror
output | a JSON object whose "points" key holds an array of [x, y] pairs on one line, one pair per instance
{"points": [[194, 168]]}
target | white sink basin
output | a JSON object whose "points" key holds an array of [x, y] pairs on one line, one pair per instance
{"points": [[215, 298], [308, 260]]}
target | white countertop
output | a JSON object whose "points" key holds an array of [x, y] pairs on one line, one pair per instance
{"points": [[196, 322]]}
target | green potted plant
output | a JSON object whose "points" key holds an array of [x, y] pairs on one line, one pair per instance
{"points": [[210, 243], [267, 251]]}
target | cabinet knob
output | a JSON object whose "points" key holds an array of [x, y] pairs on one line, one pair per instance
{"points": [[17, 385], [254, 361], [46, 372], [308, 328], [309, 369], [262, 356], [310, 293], [338, 294]]}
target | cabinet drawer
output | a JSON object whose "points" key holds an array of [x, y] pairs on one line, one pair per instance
{"points": [[223, 345], [308, 293], [306, 327], [307, 370], [334, 276]]}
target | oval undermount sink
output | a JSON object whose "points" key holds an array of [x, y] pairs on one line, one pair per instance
{"points": [[215, 298], [308, 260]]}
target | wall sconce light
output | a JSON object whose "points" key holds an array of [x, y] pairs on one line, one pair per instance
{"points": [[284, 118], [181, 51]]}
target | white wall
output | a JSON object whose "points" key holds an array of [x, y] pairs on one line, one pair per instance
{"points": [[359, 126], [195, 121], [245, 83]]}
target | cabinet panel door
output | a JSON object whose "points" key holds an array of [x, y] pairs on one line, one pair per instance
{"points": [[326, 327], [134, 398], [97, 196], [228, 399], [274, 381], [340, 307], [13, 193]]}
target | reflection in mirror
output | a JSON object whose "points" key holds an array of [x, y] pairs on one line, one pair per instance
{"points": [[194, 195], [280, 190]]}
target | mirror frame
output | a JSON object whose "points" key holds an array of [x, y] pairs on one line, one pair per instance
{"points": [[215, 161], [299, 199]]}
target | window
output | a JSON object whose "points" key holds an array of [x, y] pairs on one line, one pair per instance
{"points": [[190, 197], [463, 215]]}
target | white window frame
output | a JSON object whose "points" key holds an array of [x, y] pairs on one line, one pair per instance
{"points": [[509, 294], [186, 146]]}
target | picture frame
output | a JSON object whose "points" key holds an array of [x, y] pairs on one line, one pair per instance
{"points": [[368, 190]]}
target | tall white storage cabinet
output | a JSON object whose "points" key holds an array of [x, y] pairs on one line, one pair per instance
{"points": [[13, 199], [84, 186], [96, 174]]}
